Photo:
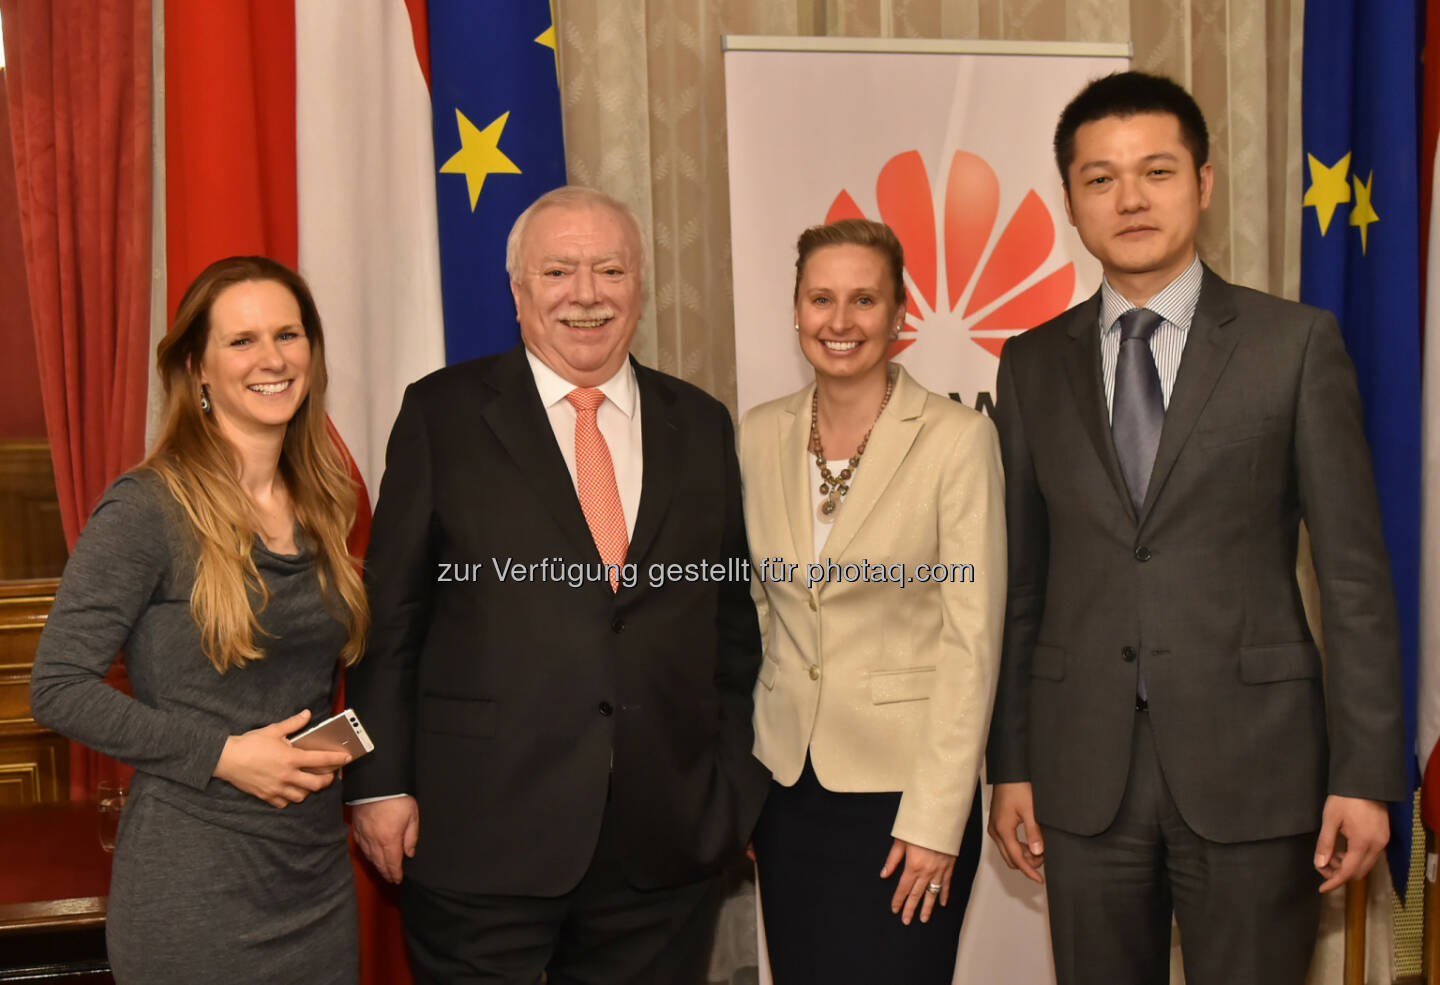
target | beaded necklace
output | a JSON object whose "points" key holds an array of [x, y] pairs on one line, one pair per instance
{"points": [[834, 487]]}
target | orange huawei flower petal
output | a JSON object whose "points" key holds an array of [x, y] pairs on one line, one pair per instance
{"points": [[903, 191], [972, 200], [971, 207], [1022, 248]]}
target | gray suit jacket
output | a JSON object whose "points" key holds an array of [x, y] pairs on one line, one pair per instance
{"points": [[1198, 592]]}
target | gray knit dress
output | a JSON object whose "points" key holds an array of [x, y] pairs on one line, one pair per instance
{"points": [[210, 884]]}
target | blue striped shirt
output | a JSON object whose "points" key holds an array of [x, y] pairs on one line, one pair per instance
{"points": [[1175, 303]]}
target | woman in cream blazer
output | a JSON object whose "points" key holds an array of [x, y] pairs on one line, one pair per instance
{"points": [[880, 585]]}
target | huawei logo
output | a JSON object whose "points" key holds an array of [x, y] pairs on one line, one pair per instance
{"points": [[993, 284]]}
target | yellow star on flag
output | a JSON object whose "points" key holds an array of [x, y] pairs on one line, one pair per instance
{"points": [[1327, 188], [547, 38], [479, 155], [1364, 212]]}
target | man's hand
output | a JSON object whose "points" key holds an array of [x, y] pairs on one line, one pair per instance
{"points": [[1366, 828], [387, 832], [1012, 805]]}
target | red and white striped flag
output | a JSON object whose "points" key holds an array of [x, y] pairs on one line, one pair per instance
{"points": [[302, 131]]}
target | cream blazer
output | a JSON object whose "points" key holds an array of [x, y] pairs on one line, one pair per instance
{"points": [[888, 683]]}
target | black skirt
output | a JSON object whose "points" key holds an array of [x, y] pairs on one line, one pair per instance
{"points": [[827, 911]]}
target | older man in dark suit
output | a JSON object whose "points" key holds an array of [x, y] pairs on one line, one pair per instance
{"points": [[1163, 713], [570, 721]]}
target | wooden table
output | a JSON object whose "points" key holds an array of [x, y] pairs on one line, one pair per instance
{"points": [[54, 879]]}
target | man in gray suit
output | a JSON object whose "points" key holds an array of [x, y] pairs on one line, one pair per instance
{"points": [[1164, 731]]}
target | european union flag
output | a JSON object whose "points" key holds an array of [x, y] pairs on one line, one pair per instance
{"points": [[1360, 259], [499, 146]]}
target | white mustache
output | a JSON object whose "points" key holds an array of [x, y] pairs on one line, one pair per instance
{"points": [[587, 314]]}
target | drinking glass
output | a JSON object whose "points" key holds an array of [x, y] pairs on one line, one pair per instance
{"points": [[111, 797]]}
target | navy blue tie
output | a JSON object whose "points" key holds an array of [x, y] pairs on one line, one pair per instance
{"points": [[1138, 412]]}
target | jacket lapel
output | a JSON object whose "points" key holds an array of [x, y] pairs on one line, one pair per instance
{"points": [[661, 449], [1082, 370], [793, 467], [1208, 346], [520, 423], [890, 442]]}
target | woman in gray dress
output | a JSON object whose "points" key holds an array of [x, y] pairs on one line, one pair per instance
{"points": [[219, 566]]}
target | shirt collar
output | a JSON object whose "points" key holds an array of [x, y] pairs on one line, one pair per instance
{"points": [[619, 389], [1175, 302]]}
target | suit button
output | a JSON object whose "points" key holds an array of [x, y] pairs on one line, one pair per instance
{"points": [[814, 672], [617, 625], [1143, 554], [607, 709], [1128, 654], [812, 604]]}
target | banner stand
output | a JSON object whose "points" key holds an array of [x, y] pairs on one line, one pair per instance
{"points": [[949, 142]]}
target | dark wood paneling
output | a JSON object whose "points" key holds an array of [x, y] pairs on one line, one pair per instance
{"points": [[34, 762], [32, 540]]}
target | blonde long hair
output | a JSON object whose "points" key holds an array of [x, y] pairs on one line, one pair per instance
{"points": [[199, 466]]}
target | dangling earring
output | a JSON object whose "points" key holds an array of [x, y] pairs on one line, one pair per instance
{"points": [[205, 398]]}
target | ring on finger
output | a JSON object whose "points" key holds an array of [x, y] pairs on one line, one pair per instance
{"points": [[934, 889]]}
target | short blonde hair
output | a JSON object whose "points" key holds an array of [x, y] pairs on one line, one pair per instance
{"points": [[570, 196], [854, 232]]}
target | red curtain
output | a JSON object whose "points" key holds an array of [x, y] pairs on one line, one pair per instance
{"points": [[79, 92]]}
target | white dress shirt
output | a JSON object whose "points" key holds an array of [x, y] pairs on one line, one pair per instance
{"points": [[1175, 304], [619, 421]]}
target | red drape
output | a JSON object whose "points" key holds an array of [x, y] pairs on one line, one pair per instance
{"points": [[79, 92]]}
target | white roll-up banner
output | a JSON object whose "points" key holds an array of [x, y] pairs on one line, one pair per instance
{"points": [[950, 144]]}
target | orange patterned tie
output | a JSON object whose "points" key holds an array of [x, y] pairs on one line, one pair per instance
{"points": [[595, 471]]}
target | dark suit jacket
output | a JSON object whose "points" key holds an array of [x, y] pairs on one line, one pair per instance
{"points": [[498, 702], [1263, 429]]}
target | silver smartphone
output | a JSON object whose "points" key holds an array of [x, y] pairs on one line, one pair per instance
{"points": [[339, 732]]}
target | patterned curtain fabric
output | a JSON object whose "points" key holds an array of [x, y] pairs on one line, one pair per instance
{"points": [[644, 104]]}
